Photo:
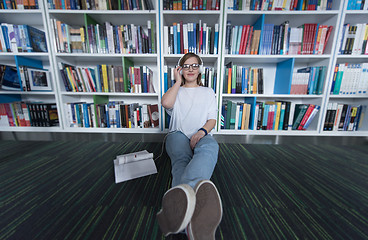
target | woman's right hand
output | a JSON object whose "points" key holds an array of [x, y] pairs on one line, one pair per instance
{"points": [[177, 75]]}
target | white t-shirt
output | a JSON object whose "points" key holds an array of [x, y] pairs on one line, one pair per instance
{"points": [[191, 110]]}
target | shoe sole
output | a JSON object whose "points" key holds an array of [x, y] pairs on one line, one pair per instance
{"points": [[208, 212], [178, 205]]}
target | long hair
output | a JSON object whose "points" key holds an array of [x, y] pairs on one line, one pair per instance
{"points": [[182, 61]]}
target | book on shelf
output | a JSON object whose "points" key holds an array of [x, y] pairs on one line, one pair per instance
{"points": [[26, 114], [199, 38], [350, 79], [101, 5], [20, 5], [103, 38], [309, 80], [357, 5], [270, 39], [9, 78], [107, 78], [243, 80], [263, 121], [303, 115], [208, 78], [21, 38], [111, 114], [27, 75], [237, 115], [282, 5], [33, 79], [283, 115], [344, 117], [191, 5], [353, 39]]}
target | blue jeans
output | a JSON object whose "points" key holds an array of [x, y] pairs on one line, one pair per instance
{"points": [[187, 165]]}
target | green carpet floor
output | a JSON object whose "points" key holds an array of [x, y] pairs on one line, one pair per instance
{"points": [[66, 190]]}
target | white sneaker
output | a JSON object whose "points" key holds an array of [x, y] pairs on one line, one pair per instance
{"points": [[208, 212], [178, 205]]}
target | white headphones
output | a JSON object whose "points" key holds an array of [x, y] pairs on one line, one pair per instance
{"points": [[201, 68]]}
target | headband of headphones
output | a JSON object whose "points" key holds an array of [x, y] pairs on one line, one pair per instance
{"points": [[201, 69]]}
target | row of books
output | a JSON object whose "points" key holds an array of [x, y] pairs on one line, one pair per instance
{"points": [[284, 115], [344, 117], [101, 4], [199, 38], [27, 79], [112, 115], [191, 4], [208, 78], [280, 5], [354, 39], [236, 115], [21, 38], [244, 80], [269, 115], [357, 5], [27, 114], [104, 38], [19, 4], [277, 39], [309, 80], [350, 79], [107, 78]]}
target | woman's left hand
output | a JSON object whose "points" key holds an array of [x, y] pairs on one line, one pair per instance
{"points": [[195, 138]]}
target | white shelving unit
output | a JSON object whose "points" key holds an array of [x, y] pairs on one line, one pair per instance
{"points": [[115, 17], [35, 18], [210, 17], [41, 18], [351, 17], [269, 63]]}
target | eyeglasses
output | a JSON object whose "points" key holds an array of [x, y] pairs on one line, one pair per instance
{"points": [[194, 66]]}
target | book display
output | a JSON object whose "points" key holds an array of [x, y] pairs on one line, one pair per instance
{"points": [[28, 94], [289, 67]]}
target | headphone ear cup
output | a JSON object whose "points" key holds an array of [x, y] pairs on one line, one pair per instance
{"points": [[201, 69], [181, 72]]}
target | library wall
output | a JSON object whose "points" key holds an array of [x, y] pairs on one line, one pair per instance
{"points": [[279, 68]]}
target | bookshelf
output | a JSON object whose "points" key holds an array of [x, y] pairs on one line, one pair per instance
{"points": [[278, 70], [35, 18], [94, 56], [170, 55], [349, 61]]}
